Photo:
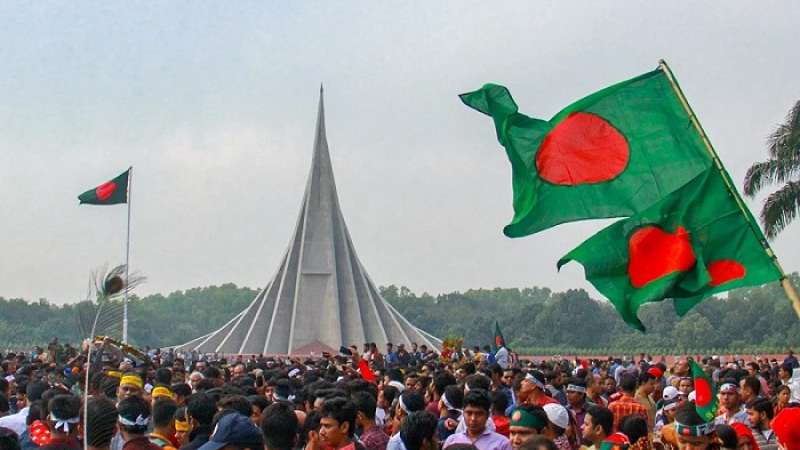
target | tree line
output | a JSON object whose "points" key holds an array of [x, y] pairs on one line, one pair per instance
{"points": [[533, 320]]}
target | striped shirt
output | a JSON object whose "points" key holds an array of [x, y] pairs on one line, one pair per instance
{"points": [[765, 438], [626, 406]]}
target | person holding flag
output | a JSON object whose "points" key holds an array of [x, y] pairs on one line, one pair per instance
{"points": [[501, 355]]}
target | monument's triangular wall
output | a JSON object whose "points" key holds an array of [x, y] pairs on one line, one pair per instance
{"points": [[321, 297]]}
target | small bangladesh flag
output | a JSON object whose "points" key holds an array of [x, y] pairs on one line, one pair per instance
{"points": [[109, 193], [695, 242], [499, 340], [706, 401], [611, 154]]}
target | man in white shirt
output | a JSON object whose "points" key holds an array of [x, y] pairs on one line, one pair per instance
{"points": [[30, 392]]}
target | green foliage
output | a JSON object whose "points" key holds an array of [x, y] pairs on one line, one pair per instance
{"points": [[534, 320], [538, 321], [783, 167], [155, 320]]}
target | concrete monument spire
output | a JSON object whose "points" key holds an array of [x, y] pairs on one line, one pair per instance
{"points": [[321, 296]]}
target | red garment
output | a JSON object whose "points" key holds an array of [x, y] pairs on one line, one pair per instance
{"points": [[40, 433], [502, 425], [545, 399], [625, 406], [743, 431], [786, 426]]}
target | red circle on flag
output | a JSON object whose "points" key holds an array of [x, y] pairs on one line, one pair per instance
{"points": [[702, 392], [654, 253], [725, 270], [105, 190], [583, 148]]}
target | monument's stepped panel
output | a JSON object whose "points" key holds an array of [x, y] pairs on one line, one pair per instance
{"points": [[321, 297]]}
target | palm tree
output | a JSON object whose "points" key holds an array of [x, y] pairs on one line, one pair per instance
{"points": [[783, 166]]}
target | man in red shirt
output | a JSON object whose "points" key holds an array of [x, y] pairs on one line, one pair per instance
{"points": [[532, 392], [626, 404]]}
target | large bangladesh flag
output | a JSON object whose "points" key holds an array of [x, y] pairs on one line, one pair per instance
{"points": [[695, 242], [109, 193], [611, 154]]}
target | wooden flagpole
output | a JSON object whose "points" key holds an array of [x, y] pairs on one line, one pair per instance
{"points": [[786, 283]]}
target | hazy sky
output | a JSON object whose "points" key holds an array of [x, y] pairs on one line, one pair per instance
{"points": [[214, 103]]}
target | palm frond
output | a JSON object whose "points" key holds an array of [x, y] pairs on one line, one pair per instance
{"points": [[784, 142], [780, 208], [769, 172]]}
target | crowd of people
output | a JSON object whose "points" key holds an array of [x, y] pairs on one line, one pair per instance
{"points": [[395, 399]]}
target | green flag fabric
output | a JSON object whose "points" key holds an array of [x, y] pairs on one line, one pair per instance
{"points": [[706, 400], [109, 193], [611, 154], [694, 242], [499, 340]]}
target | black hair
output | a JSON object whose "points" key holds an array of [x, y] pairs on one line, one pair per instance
{"points": [[34, 390], [164, 412], [108, 385], [644, 377], [181, 389], [496, 369], [101, 421], [390, 393], [36, 411], [341, 410], [413, 401], [4, 406], [9, 440], [577, 381], [365, 403], [538, 442], [201, 407], [211, 372], [238, 403], [499, 400], [282, 388], [478, 381], [163, 376], [455, 396], [686, 414], [633, 426], [478, 398], [468, 368], [416, 428], [279, 425], [727, 435], [538, 375], [310, 424], [361, 384], [754, 384], [602, 416], [627, 383], [762, 405], [130, 409], [259, 401], [65, 407], [460, 446]]}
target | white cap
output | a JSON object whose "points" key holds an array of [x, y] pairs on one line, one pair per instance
{"points": [[557, 414], [670, 393]]}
